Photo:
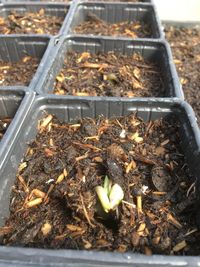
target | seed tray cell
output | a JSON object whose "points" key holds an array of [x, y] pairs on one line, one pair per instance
{"points": [[71, 110], [153, 51], [52, 9], [14, 48], [118, 12]]}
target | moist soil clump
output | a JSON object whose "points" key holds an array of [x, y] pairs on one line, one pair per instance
{"points": [[30, 22], [54, 204], [95, 26], [185, 44], [18, 73], [4, 123], [109, 74]]}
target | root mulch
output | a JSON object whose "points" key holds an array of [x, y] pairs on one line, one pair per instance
{"points": [[53, 201], [185, 44], [109, 74]]}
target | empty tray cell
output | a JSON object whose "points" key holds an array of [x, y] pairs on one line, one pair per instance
{"points": [[19, 59], [109, 67], [32, 18], [117, 181], [124, 20]]}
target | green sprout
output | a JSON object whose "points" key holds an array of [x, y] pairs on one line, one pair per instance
{"points": [[109, 196]]}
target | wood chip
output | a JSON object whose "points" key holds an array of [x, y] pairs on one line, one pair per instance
{"points": [[34, 202], [44, 123], [21, 180], [173, 221], [141, 227], [72, 227], [180, 246], [22, 166], [60, 178], [147, 251], [160, 150], [46, 229]]}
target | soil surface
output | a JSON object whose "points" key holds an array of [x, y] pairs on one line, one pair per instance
{"points": [[18, 73], [185, 44], [54, 204], [30, 22], [96, 26], [4, 123], [108, 74]]}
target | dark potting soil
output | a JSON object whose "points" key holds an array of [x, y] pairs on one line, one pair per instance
{"points": [[96, 26], [30, 22], [54, 204], [4, 123], [18, 73], [185, 44], [108, 74]]}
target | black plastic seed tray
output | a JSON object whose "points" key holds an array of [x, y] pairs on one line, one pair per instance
{"points": [[71, 110], [13, 104], [117, 12], [156, 51], [52, 9], [14, 48]]}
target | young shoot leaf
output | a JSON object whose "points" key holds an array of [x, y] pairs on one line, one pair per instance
{"points": [[103, 197], [116, 196], [109, 196], [107, 185]]}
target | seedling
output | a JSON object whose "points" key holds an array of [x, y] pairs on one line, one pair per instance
{"points": [[109, 196]]}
